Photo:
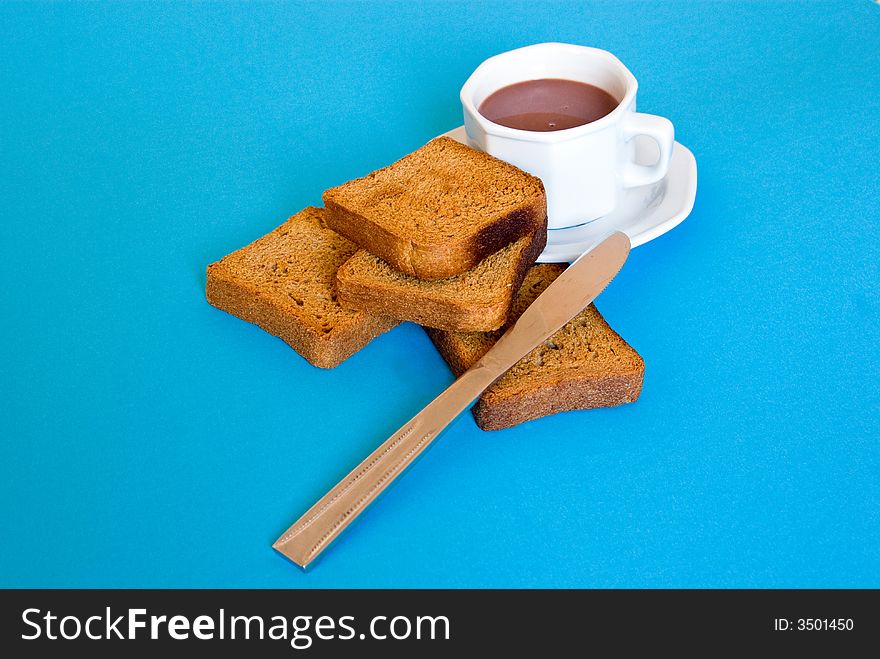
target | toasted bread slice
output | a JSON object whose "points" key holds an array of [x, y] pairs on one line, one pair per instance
{"points": [[440, 210], [476, 300], [584, 365], [285, 283]]}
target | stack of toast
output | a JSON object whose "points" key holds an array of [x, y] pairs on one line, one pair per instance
{"points": [[446, 237]]}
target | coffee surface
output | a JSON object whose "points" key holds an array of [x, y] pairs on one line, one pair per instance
{"points": [[547, 104]]}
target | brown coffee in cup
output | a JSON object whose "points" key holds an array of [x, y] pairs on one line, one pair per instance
{"points": [[547, 104]]}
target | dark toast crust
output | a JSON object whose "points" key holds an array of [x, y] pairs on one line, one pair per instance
{"points": [[578, 393], [520, 222]]}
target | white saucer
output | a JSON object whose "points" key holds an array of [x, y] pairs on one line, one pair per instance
{"points": [[644, 213]]}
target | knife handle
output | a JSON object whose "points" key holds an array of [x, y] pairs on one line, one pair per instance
{"points": [[312, 533], [573, 290]]}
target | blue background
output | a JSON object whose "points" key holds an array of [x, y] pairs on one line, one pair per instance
{"points": [[149, 439]]}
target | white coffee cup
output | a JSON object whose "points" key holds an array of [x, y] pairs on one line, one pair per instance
{"points": [[584, 169]]}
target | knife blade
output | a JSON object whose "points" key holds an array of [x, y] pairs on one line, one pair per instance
{"points": [[563, 299]]}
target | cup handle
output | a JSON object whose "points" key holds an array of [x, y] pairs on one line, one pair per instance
{"points": [[659, 129]]}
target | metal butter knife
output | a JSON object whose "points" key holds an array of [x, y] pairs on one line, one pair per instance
{"points": [[567, 296]]}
